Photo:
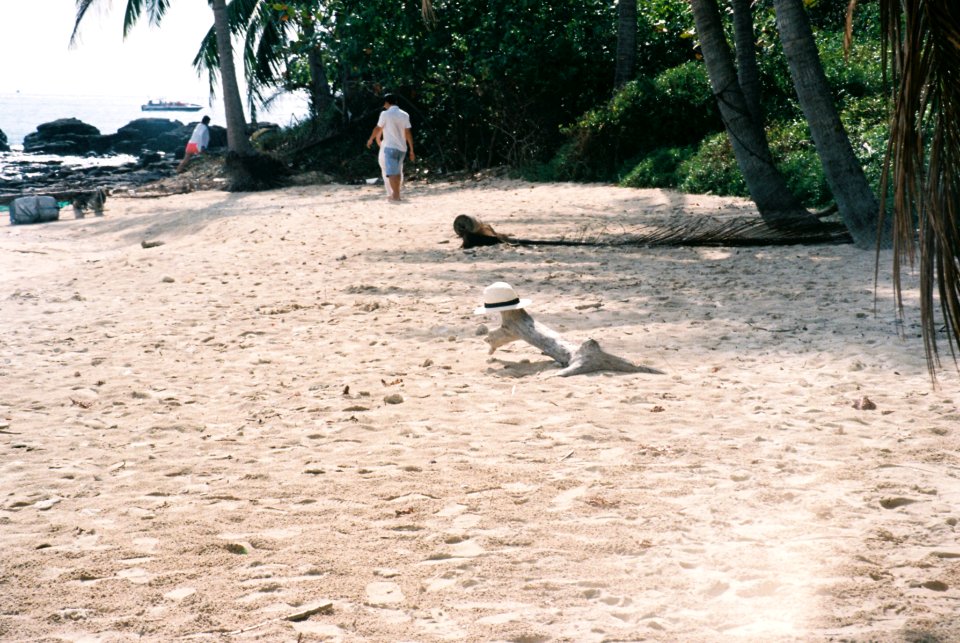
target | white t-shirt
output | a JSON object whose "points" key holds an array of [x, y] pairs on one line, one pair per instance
{"points": [[201, 136], [394, 122]]}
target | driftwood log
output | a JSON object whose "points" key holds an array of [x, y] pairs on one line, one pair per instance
{"points": [[60, 195], [587, 358]]}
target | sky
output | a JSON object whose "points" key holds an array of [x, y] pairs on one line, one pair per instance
{"points": [[152, 62]]}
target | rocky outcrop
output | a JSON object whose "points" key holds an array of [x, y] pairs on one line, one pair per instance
{"points": [[65, 136], [141, 135], [3, 142], [72, 137]]}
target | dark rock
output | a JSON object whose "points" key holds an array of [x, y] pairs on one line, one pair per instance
{"points": [[3, 142], [66, 127], [65, 136], [149, 158], [148, 128], [140, 136]]}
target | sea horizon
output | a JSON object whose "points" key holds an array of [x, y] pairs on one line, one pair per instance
{"points": [[22, 113]]}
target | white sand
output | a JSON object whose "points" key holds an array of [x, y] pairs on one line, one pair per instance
{"points": [[195, 441]]}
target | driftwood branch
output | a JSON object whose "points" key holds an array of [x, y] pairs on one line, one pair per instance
{"points": [[60, 195], [587, 358]]}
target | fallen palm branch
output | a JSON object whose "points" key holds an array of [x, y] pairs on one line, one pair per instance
{"points": [[692, 231]]}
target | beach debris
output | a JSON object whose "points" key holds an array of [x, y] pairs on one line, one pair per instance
{"points": [[235, 548], [309, 609], [393, 398], [151, 244], [44, 505], [896, 501], [865, 404], [168, 280], [34, 209], [935, 585], [386, 572], [517, 324]]}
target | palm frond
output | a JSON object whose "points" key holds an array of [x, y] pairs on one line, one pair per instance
{"points": [[82, 7], [684, 231], [922, 51]]}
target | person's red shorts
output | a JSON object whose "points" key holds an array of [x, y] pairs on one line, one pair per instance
{"points": [[192, 148]]}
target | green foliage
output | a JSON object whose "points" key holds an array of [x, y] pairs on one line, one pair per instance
{"points": [[659, 169], [486, 84], [527, 84], [665, 35], [796, 156], [712, 169], [674, 109]]}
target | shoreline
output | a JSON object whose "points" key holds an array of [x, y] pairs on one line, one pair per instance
{"points": [[288, 408]]}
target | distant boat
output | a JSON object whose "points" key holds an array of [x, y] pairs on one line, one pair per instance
{"points": [[170, 106]]}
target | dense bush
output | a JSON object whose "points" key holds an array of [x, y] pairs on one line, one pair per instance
{"points": [[675, 109], [712, 169], [659, 169], [527, 83], [488, 84]]}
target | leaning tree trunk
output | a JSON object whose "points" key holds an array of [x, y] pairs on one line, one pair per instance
{"points": [[626, 42], [768, 189], [320, 94], [237, 139], [745, 44], [855, 200]]}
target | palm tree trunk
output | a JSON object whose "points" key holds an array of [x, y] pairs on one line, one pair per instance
{"points": [[237, 139], [747, 70], [855, 200], [320, 95], [626, 42], [768, 189]]}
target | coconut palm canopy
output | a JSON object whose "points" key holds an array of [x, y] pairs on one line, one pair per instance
{"points": [[922, 50]]}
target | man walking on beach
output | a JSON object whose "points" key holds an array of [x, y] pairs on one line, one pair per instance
{"points": [[199, 141], [397, 139]]}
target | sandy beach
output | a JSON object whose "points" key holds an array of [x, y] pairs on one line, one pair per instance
{"points": [[273, 417]]}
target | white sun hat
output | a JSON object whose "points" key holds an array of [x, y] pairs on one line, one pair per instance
{"points": [[500, 296]]}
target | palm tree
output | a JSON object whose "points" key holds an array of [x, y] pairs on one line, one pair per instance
{"points": [[626, 42], [767, 186], [237, 140], [922, 48], [267, 32], [748, 72], [855, 199]]}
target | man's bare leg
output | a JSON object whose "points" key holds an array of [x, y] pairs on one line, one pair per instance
{"points": [[394, 187], [183, 164]]}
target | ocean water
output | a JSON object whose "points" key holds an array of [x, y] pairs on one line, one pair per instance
{"points": [[20, 114]]}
